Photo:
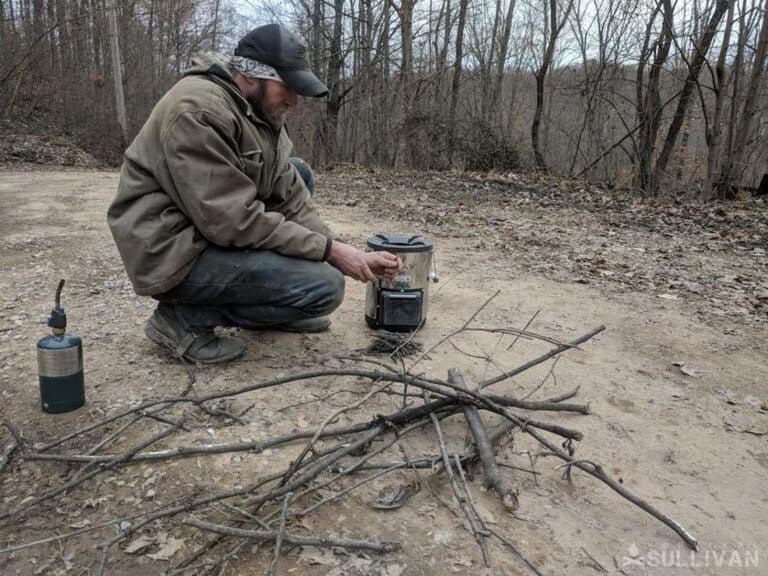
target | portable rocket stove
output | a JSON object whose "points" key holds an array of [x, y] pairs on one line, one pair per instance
{"points": [[400, 304]]}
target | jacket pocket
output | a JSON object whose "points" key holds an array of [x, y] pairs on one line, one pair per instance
{"points": [[253, 166]]}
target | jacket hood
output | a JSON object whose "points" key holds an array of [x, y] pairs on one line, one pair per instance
{"points": [[211, 63], [215, 67]]}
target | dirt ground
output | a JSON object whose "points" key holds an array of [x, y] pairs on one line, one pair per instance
{"points": [[677, 383]]}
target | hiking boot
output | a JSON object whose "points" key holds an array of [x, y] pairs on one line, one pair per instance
{"points": [[193, 345], [307, 325]]}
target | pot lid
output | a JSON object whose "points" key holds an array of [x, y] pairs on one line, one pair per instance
{"points": [[399, 243]]}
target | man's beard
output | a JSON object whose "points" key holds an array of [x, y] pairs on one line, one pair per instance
{"points": [[275, 115]]}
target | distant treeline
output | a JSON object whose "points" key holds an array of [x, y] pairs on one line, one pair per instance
{"points": [[653, 94]]}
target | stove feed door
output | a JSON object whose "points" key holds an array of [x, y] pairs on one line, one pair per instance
{"points": [[400, 310]]}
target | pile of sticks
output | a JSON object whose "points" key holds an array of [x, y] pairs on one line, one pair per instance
{"points": [[264, 510]]}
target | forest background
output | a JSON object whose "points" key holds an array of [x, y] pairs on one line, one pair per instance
{"points": [[662, 96]]}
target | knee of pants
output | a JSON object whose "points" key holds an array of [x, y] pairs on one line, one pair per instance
{"points": [[331, 295], [305, 171]]}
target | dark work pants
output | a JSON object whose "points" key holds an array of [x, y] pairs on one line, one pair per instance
{"points": [[255, 288]]}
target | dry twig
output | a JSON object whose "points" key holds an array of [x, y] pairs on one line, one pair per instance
{"points": [[460, 498], [280, 534], [116, 461], [397, 344], [309, 472], [6, 454], [322, 542]]}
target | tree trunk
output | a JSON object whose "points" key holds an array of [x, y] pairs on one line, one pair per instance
{"points": [[541, 74], [52, 32], [487, 67], [3, 20], [648, 105], [405, 13], [11, 17], [733, 168], [214, 37], [318, 39], [441, 50], [456, 84], [330, 124], [403, 91], [98, 62], [117, 71], [501, 61], [700, 51], [64, 45], [714, 135]]}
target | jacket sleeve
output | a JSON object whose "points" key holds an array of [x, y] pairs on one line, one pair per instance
{"points": [[220, 198], [295, 202]]}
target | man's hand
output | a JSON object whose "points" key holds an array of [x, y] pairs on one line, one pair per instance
{"points": [[363, 266]]}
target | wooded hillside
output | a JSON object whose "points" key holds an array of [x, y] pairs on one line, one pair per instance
{"points": [[660, 95]]}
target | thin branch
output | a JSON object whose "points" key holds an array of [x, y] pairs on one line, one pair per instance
{"points": [[597, 471], [460, 498], [115, 461], [544, 380], [449, 336], [523, 330], [339, 494], [543, 358], [564, 396], [516, 552], [68, 535], [322, 542], [105, 421], [280, 534], [471, 504], [297, 462]]}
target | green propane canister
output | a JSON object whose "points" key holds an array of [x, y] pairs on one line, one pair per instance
{"points": [[60, 364]]}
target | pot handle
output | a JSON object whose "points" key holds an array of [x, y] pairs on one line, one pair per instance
{"points": [[433, 275]]}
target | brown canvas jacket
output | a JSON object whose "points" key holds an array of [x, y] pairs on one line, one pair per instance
{"points": [[204, 169]]}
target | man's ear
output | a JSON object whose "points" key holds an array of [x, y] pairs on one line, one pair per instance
{"points": [[254, 84]]}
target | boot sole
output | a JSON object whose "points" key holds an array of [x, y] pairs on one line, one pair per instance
{"points": [[288, 328], [317, 330], [154, 334]]}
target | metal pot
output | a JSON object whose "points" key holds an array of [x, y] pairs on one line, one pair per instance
{"points": [[400, 304]]}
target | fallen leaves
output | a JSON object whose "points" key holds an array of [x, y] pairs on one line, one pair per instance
{"points": [[394, 497], [167, 546], [139, 544], [47, 150], [712, 257]]}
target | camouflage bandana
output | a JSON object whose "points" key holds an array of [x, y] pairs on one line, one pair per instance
{"points": [[254, 69]]}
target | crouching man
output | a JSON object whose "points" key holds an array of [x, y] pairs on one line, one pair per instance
{"points": [[213, 219]]}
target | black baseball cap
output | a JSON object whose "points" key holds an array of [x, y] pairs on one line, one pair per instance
{"points": [[279, 48]]}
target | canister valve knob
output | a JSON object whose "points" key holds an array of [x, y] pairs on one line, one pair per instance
{"points": [[58, 318]]}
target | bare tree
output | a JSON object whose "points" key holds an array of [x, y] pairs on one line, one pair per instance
{"points": [[117, 71], [733, 165], [648, 105], [714, 127], [700, 50], [456, 84], [616, 90], [330, 125], [553, 26]]}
